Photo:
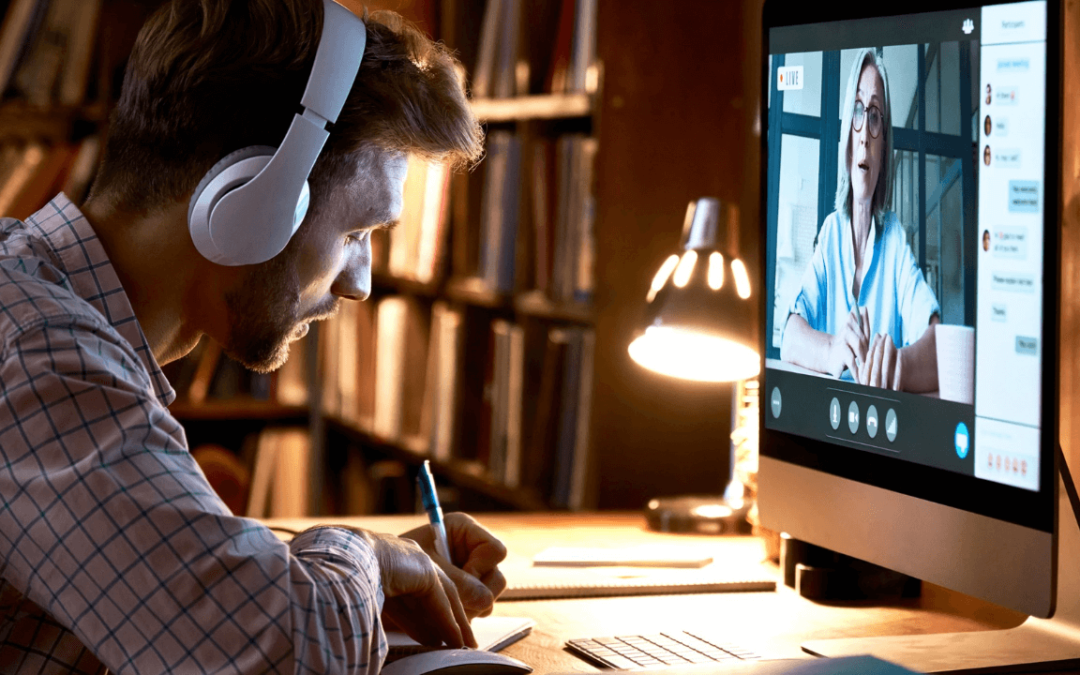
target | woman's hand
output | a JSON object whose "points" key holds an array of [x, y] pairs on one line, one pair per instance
{"points": [[476, 555], [848, 348], [883, 367]]}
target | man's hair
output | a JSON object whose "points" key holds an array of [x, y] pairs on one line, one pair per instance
{"points": [[883, 190], [207, 77]]}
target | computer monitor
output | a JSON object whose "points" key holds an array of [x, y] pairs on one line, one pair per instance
{"points": [[910, 193]]}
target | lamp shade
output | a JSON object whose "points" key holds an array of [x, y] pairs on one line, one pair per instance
{"points": [[698, 322]]}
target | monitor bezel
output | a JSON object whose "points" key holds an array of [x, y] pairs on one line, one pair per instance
{"points": [[1036, 510]]}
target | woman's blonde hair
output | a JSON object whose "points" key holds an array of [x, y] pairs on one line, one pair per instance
{"points": [[883, 190]]}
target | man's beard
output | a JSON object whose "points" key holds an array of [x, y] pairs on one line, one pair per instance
{"points": [[263, 316]]}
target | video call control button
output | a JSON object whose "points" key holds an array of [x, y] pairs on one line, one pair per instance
{"points": [[853, 417], [962, 440], [776, 402], [890, 425], [835, 413], [871, 421]]}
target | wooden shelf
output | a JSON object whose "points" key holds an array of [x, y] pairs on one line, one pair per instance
{"points": [[473, 291], [535, 303], [240, 408], [407, 286], [547, 106], [465, 474]]}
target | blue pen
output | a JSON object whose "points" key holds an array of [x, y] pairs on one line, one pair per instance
{"points": [[431, 505]]}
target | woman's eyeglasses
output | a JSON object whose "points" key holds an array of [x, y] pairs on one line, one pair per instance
{"points": [[876, 118]]}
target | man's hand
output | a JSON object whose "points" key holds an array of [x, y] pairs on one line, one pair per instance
{"points": [[420, 599], [849, 347], [476, 555], [884, 366]]}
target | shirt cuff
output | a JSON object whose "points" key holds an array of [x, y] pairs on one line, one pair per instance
{"points": [[345, 548]]}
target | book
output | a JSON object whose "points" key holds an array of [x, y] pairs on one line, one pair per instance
{"points": [[402, 332], [485, 60], [291, 379], [15, 33], [447, 325], [561, 49], [76, 70], [281, 474], [583, 52], [507, 51], [81, 171], [500, 212], [389, 365], [37, 74], [44, 181], [209, 358], [541, 200], [22, 172], [580, 460], [418, 243], [540, 460]]}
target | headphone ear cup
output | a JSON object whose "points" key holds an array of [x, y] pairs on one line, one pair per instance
{"points": [[229, 173]]}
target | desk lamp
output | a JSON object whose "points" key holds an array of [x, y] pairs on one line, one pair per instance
{"points": [[698, 326]]}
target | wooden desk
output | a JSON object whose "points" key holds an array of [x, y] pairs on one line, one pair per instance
{"points": [[777, 621]]}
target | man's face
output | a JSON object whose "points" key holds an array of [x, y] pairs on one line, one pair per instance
{"points": [[328, 258]]}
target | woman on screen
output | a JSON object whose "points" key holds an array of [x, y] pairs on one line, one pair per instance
{"points": [[864, 307]]}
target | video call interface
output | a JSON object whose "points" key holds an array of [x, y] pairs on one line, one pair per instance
{"points": [[904, 249]]}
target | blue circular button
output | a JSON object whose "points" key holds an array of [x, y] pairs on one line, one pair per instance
{"points": [[962, 440]]}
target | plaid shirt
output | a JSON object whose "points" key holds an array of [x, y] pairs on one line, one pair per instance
{"points": [[114, 551]]}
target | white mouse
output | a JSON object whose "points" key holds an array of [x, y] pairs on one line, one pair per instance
{"points": [[456, 662]]}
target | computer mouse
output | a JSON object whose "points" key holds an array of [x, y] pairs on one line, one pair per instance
{"points": [[456, 662]]}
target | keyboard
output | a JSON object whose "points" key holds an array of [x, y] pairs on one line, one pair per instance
{"points": [[655, 651]]}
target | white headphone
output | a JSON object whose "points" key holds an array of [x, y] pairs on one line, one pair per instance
{"points": [[248, 206]]}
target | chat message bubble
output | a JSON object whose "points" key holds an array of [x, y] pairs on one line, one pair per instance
{"points": [[1012, 282], [998, 312], [1000, 126], [1028, 346], [1024, 196], [1016, 64], [1005, 95], [1010, 242], [1006, 158]]}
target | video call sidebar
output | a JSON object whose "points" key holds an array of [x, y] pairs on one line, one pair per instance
{"points": [[1009, 292]]}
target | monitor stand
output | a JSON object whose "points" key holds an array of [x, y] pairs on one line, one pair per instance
{"points": [[1036, 644]]}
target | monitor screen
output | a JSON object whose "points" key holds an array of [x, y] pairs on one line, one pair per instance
{"points": [[906, 323]]}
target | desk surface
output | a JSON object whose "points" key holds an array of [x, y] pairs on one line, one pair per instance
{"points": [[778, 621]]}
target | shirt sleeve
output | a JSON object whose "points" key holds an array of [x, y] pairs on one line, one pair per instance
{"points": [[915, 299], [811, 300], [110, 526]]}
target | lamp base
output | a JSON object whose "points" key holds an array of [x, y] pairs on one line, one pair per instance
{"points": [[698, 514]]}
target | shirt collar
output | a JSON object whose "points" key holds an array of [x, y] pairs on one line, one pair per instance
{"points": [[80, 255]]}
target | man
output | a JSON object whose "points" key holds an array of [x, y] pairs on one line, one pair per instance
{"points": [[116, 552]]}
